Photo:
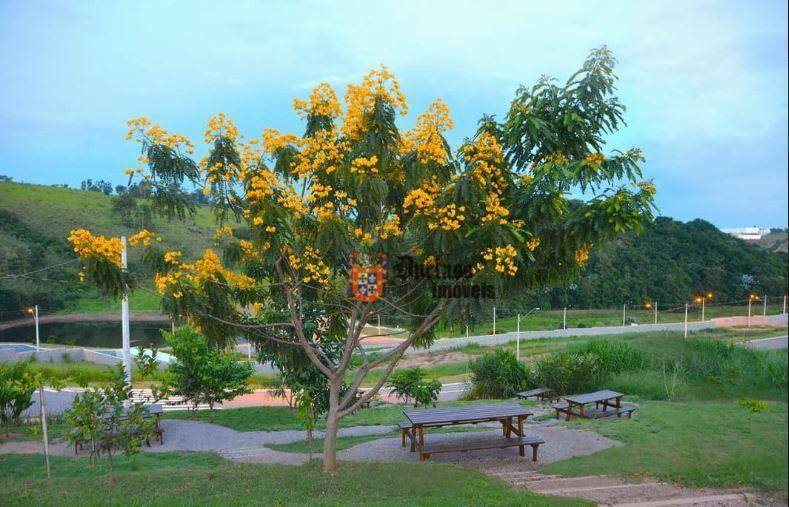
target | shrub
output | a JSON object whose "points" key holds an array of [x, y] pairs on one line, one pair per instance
{"points": [[497, 374], [411, 383], [204, 374], [17, 386], [587, 367]]}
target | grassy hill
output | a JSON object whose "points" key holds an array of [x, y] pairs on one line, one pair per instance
{"points": [[669, 262], [34, 224]]}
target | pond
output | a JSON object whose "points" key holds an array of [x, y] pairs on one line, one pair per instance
{"points": [[86, 334]]}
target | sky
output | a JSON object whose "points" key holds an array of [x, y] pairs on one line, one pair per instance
{"points": [[705, 83]]}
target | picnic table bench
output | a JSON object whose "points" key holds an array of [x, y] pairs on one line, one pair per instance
{"points": [[541, 393], [575, 406], [505, 413]]}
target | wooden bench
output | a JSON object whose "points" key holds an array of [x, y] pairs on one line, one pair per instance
{"points": [[541, 393], [561, 408], [629, 409], [487, 443]]}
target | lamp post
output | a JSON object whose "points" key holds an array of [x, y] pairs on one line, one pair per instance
{"points": [[751, 299], [686, 320], [34, 312], [764, 309]]}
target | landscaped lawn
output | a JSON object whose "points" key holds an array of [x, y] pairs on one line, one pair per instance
{"points": [[715, 444], [205, 479]]}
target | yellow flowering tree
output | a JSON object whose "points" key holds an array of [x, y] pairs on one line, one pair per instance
{"points": [[355, 189]]}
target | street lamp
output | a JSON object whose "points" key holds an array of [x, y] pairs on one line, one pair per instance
{"points": [[751, 299], [34, 312], [702, 299]]}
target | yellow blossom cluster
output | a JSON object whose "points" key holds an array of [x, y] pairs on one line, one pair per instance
{"points": [[448, 218], [291, 201], [594, 159], [207, 269], [503, 258], [532, 244], [319, 191], [323, 102], [362, 165], [260, 187], [557, 158], [425, 138], [323, 151], [143, 238], [422, 198], [90, 247], [359, 100], [365, 237], [390, 228], [250, 252], [647, 186], [582, 255], [273, 141], [223, 231], [144, 130], [312, 266], [494, 211], [486, 155], [172, 258], [220, 126]]}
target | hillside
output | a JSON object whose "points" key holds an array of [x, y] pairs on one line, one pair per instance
{"points": [[669, 262], [34, 224]]}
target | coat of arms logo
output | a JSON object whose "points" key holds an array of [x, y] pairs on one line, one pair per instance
{"points": [[367, 283]]}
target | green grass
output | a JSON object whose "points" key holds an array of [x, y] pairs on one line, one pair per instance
{"points": [[699, 444], [205, 479]]}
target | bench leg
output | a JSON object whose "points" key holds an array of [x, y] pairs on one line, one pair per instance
{"points": [[534, 452], [413, 439], [522, 450], [402, 433]]}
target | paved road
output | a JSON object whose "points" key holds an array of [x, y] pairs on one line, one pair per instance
{"points": [[777, 343], [500, 339]]}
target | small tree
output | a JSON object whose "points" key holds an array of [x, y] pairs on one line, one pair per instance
{"points": [[17, 386], [202, 373], [104, 418], [411, 383]]}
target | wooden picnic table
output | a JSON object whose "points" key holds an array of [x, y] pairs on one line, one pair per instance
{"points": [[505, 413], [606, 398]]}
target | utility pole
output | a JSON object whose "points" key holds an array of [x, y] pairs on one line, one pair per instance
{"points": [[564, 319], [518, 339], [44, 426], [624, 313], [703, 299], [494, 319], [784, 310], [466, 330], [686, 320], [379, 323], [764, 310], [655, 312], [125, 318]]}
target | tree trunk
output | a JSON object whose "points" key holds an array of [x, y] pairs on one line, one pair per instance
{"points": [[332, 424]]}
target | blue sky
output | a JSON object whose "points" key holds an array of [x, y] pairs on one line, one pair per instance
{"points": [[705, 82]]}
